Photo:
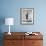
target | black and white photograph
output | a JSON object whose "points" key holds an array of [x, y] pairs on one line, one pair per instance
{"points": [[27, 15]]}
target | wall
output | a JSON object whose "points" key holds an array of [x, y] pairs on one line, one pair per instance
{"points": [[11, 8]]}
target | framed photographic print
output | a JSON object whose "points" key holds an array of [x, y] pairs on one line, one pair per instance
{"points": [[27, 15]]}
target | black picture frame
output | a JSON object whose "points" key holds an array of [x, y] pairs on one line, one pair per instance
{"points": [[27, 15]]}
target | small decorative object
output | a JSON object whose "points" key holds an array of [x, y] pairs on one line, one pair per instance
{"points": [[29, 32], [26, 15], [9, 21]]}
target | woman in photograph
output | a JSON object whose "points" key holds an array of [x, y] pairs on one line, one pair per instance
{"points": [[26, 16]]}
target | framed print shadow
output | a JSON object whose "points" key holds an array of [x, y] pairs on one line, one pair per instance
{"points": [[27, 15]]}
